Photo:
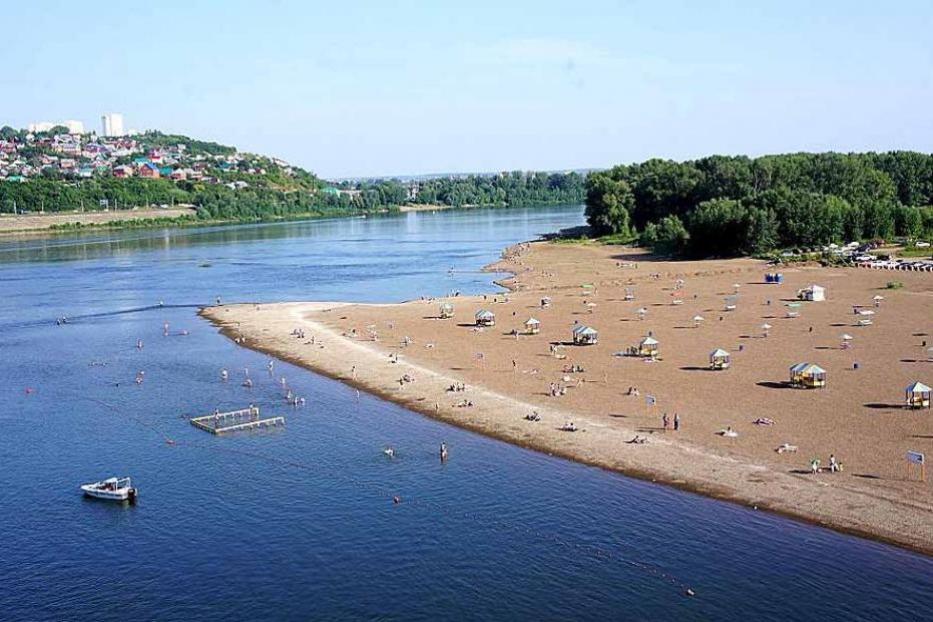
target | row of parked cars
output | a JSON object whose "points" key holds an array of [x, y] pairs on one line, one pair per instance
{"points": [[920, 265]]}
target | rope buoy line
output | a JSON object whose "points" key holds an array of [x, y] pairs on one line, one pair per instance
{"points": [[596, 552]]}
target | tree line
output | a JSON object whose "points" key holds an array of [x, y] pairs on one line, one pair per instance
{"points": [[513, 189], [274, 196], [722, 206]]}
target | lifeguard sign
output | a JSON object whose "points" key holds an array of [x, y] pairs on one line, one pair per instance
{"points": [[916, 457]]}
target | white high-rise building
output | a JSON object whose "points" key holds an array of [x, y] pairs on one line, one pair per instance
{"points": [[41, 126], [112, 124], [74, 127]]}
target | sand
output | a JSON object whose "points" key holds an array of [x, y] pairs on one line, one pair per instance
{"points": [[38, 222], [858, 416]]}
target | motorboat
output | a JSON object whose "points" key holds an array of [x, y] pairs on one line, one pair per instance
{"points": [[111, 489]]}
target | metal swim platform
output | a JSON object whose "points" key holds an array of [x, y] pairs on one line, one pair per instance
{"points": [[235, 421]]}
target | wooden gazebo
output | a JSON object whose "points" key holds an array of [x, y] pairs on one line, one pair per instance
{"points": [[719, 359], [808, 376], [585, 336], [647, 348], [917, 395], [485, 317], [532, 326]]}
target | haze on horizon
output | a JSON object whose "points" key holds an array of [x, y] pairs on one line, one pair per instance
{"points": [[365, 89]]}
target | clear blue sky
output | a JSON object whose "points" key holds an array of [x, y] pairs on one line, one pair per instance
{"points": [[368, 88]]}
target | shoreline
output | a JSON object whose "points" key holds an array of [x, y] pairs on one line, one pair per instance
{"points": [[63, 222], [850, 507]]}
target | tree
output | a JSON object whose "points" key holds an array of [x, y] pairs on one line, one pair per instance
{"points": [[608, 205], [908, 221], [668, 237]]}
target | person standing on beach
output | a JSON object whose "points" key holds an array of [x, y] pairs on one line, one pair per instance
{"points": [[665, 422], [676, 422]]}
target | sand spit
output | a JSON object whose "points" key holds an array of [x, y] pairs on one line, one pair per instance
{"points": [[407, 354]]}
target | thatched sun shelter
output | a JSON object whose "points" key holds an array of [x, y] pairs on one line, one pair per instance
{"points": [[532, 326]]}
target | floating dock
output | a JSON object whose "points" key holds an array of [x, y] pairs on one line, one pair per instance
{"points": [[235, 421]]}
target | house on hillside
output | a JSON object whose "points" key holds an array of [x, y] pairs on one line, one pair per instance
{"points": [[149, 171]]}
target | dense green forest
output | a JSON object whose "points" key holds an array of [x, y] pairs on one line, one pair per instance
{"points": [[214, 201], [721, 206], [271, 197], [515, 189]]}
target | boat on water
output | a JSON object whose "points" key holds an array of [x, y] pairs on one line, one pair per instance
{"points": [[111, 489]]}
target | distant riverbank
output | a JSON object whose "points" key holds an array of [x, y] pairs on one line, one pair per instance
{"points": [[29, 223]]}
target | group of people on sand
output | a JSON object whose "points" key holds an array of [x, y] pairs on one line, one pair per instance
{"points": [[556, 390], [457, 387], [669, 423], [833, 466], [300, 334]]}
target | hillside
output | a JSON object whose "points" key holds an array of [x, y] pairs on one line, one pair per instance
{"points": [[56, 171]]}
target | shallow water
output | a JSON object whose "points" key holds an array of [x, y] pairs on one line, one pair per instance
{"points": [[299, 523]]}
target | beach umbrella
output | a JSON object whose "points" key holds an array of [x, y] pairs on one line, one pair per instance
{"points": [[642, 312], [846, 337], [697, 319], [765, 328]]}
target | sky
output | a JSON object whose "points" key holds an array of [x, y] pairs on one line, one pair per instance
{"points": [[349, 89]]}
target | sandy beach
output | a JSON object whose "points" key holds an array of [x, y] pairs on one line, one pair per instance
{"points": [[37, 222], [407, 354]]}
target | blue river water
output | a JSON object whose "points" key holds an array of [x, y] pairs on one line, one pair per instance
{"points": [[299, 523]]}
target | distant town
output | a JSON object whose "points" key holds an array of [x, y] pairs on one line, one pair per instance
{"points": [[66, 151]]}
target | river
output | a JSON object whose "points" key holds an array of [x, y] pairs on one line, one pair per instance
{"points": [[299, 523]]}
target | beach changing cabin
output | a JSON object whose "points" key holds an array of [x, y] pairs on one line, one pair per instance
{"points": [[532, 326], [808, 376], [813, 293], [485, 318], [585, 336], [918, 395], [719, 359], [445, 311], [647, 348]]}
